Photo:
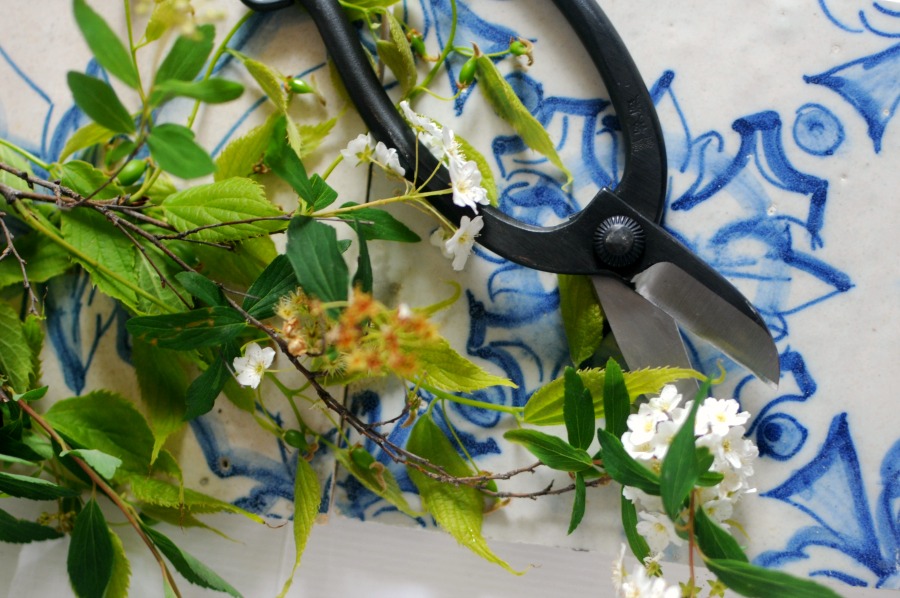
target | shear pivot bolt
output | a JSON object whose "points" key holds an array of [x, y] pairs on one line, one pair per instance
{"points": [[619, 241]]}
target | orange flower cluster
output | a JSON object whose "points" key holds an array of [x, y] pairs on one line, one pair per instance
{"points": [[365, 337]]}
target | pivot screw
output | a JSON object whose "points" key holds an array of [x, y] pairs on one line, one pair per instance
{"points": [[619, 241]]}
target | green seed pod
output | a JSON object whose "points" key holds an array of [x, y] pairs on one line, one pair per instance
{"points": [[299, 86], [417, 43], [131, 172], [295, 439], [517, 48], [467, 72]]}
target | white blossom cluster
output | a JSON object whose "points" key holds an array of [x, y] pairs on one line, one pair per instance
{"points": [[364, 149], [719, 426], [638, 583]]}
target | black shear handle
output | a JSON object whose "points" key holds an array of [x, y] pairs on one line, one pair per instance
{"points": [[563, 248]]}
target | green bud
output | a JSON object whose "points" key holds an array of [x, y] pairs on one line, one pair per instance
{"points": [[467, 72], [518, 48], [299, 86], [295, 439], [131, 172], [417, 43]]}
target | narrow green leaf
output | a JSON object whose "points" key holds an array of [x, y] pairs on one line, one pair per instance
{"points": [[12, 444], [679, 470], [639, 547], [580, 502], [163, 382], [276, 281], [317, 261], [232, 209], [715, 542], [105, 465], [623, 468], [202, 288], [377, 224], [190, 568], [205, 389], [269, 79], [187, 56], [759, 582], [15, 357], [396, 53], [307, 497], [163, 494], [89, 135], [375, 477], [22, 531], [99, 101], [362, 278], [120, 578], [710, 479], [174, 149], [85, 179], [553, 452], [90, 559], [243, 155], [581, 316], [214, 90], [578, 411], [105, 45], [204, 327], [32, 488], [458, 509], [616, 402], [500, 95], [448, 370]]}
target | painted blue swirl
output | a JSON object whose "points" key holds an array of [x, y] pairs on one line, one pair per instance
{"points": [[864, 16], [817, 130]]}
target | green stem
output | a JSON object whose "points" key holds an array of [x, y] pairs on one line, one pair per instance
{"points": [[448, 47], [134, 49], [456, 437], [25, 154], [470, 402], [410, 197], [332, 166]]}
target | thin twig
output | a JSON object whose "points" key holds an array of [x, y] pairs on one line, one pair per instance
{"points": [[11, 249]]}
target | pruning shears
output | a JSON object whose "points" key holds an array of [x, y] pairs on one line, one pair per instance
{"points": [[646, 280]]}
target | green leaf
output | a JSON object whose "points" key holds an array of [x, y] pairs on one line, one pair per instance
{"points": [[205, 389], [307, 497], [99, 101], [363, 276], [44, 260], [32, 488], [458, 509], [448, 370], [487, 175], [105, 465], [190, 568], [750, 580], [33, 329], [121, 570], [174, 149], [240, 266], [616, 402], [105, 45], [107, 422], [286, 164], [500, 95], [163, 494], [187, 56], [578, 411], [679, 470], [639, 547], [623, 468], [313, 251], [22, 531], [163, 382], [203, 327], [157, 296], [579, 504], [397, 55], [12, 444], [376, 224], [202, 288], [90, 560], [545, 407], [715, 542], [581, 316], [235, 204], [553, 452], [374, 476], [276, 281], [89, 135], [85, 179], [214, 90], [312, 136], [242, 155], [15, 356], [269, 79]]}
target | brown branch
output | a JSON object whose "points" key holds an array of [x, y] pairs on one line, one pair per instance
{"points": [[11, 249]]}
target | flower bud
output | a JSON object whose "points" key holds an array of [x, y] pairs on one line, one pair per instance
{"points": [[299, 86], [467, 73]]}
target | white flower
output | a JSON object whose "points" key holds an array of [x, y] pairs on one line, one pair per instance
{"points": [[668, 399], [451, 149], [643, 425], [387, 157], [427, 131], [360, 148], [641, 585], [719, 509], [459, 246], [619, 574], [249, 369], [718, 415], [658, 530], [465, 180]]}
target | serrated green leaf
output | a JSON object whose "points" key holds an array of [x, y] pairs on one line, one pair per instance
{"points": [[120, 578], [639, 547], [105, 45], [307, 497], [376, 224], [375, 477], [242, 155], [623, 468], [759, 582], [269, 79], [187, 56], [553, 452], [579, 503], [234, 200], [396, 53], [362, 278], [83, 178], [286, 164], [203, 327], [276, 281], [158, 296], [214, 90], [174, 149], [163, 382], [190, 568], [313, 251], [715, 542], [90, 559], [105, 465], [89, 135], [202, 288], [578, 411], [448, 370], [107, 422], [15, 357], [616, 402], [239, 267], [311, 136], [500, 95], [203, 391], [99, 101], [488, 182], [163, 494], [679, 470], [22, 531], [12, 444], [581, 316], [458, 509], [545, 407], [32, 488], [33, 329]]}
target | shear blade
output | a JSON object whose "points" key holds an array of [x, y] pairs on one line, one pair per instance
{"points": [[711, 318]]}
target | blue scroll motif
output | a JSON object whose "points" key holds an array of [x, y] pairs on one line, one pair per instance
{"points": [[864, 16], [830, 490]]}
